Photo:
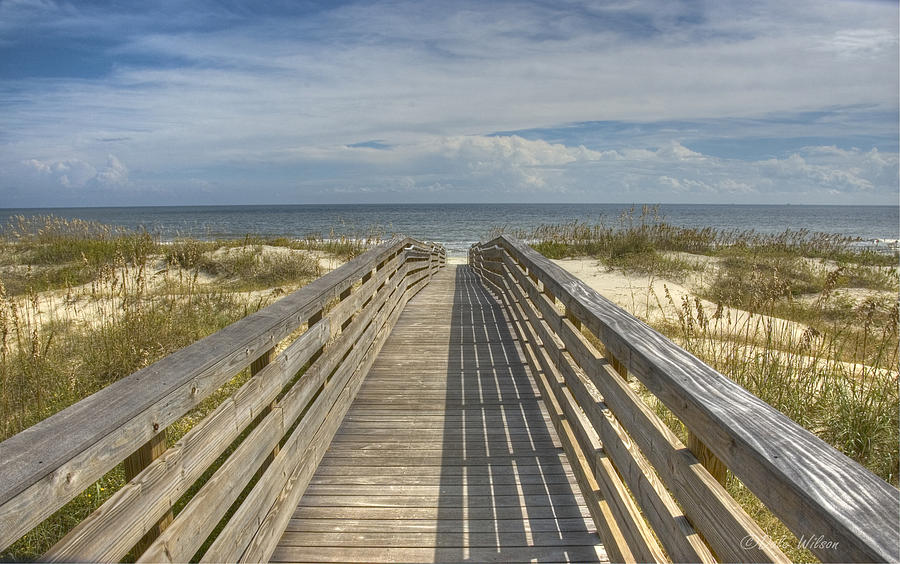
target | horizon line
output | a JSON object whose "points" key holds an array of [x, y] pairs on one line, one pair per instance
{"points": [[624, 204]]}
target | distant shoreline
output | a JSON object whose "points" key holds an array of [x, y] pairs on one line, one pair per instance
{"points": [[458, 226], [4, 210]]}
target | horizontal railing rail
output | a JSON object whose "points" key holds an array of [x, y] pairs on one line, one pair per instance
{"points": [[307, 355], [652, 497]]}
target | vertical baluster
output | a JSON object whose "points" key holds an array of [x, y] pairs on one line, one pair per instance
{"points": [[255, 367], [140, 459], [709, 460]]}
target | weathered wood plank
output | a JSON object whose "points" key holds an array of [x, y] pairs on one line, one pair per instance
{"points": [[447, 526], [670, 525], [107, 535], [723, 522], [42, 471], [812, 487], [472, 539], [352, 303], [599, 508], [435, 513], [462, 441], [274, 522], [192, 526], [440, 500], [524, 447], [391, 479], [205, 509], [633, 533], [562, 488], [399, 555], [734, 545], [555, 466], [231, 541]]}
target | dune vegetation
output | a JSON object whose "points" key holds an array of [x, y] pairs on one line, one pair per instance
{"points": [[832, 366], [805, 321], [83, 304]]}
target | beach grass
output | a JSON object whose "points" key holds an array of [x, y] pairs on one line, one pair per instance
{"points": [[801, 320], [837, 375], [84, 304]]}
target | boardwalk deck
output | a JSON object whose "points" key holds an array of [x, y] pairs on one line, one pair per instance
{"points": [[450, 450], [447, 453]]}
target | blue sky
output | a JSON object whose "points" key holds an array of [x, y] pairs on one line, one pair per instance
{"points": [[417, 101]]}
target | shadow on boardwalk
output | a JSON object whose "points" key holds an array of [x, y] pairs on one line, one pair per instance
{"points": [[506, 494], [445, 454]]}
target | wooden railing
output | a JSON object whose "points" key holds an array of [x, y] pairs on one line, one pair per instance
{"points": [[651, 496], [267, 437]]}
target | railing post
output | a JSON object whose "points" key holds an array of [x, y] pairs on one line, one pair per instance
{"points": [[255, 367], [549, 294], [366, 277], [344, 295], [617, 366], [571, 317], [716, 467], [140, 459], [313, 319], [262, 361]]}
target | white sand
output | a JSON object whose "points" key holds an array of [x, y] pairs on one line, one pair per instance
{"points": [[91, 303], [644, 297]]}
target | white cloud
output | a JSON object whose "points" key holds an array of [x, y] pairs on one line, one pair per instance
{"points": [[433, 79], [115, 173], [838, 170], [542, 171], [858, 43], [70, 173], [77, 173]]}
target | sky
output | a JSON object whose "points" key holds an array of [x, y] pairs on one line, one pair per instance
{"points": [[669, 101]]}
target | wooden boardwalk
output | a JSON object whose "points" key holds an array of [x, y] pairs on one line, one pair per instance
{"points": [[447, 454], [451, 424]]}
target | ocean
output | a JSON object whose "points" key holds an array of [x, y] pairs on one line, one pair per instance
{"points": [[457, 226]]}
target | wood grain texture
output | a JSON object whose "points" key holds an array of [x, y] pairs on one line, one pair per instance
{"points": [[710, 509], [156, 396], [46, 465], [708, 506], [675, 532], [257, 520], [134, 464], [446, 433], [616, 519], [205, 510], [273, 524], [709, 461], [108, 533], [810, 486]]}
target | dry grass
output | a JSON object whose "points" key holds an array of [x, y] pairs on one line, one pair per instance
{"points": [[838, 377], [83, 305]]}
